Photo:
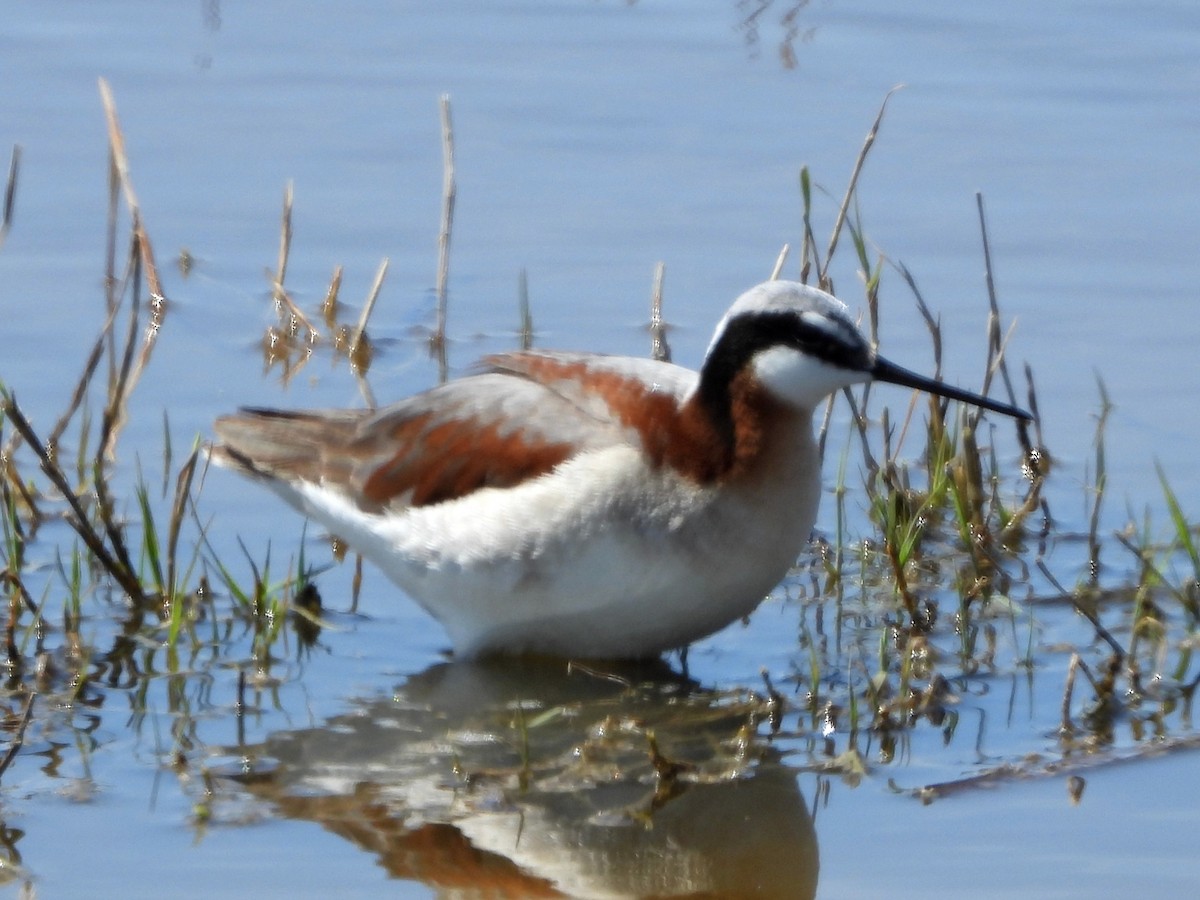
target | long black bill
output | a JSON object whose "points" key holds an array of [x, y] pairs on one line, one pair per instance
{"points": [[894, 374]]}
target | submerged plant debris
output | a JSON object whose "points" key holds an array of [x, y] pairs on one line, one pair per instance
{"points": [[945, 585]]}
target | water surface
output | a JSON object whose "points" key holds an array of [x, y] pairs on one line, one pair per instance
{"points": [[595, 139]]}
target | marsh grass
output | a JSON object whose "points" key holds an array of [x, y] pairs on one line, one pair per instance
{"points": [[933, 581], [952, 577], [127, 602]]}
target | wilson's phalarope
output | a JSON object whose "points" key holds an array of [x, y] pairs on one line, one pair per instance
{"points": [[581, 504]]}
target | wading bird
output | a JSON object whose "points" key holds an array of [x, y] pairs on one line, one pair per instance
{"points": [[586, 505]]}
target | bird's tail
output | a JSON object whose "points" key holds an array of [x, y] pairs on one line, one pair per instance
{"points": [[277, 444]]}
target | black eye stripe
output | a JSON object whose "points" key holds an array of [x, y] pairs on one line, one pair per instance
{"points": [[832, 340], [837, 343]]}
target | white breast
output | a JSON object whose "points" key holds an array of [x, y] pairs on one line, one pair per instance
{"points": [[603, 557]]}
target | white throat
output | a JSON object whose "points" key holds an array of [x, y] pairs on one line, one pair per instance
{"points": [[801, 380]]}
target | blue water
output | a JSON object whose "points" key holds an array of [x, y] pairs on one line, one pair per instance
{"points": [[594, 139]]}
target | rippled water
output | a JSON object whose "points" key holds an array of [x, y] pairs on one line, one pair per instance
{"points": [[595, 139]]}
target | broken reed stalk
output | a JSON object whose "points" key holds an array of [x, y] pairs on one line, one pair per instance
{"points": [[843, 209], [373, 295], [11, 478], [995, 344], [121, 385], [1101, 481], [358, 350], [291, 317], [168, 452], [823, 431], [183, 491], [524, 310], [449, 192], [823, 280], [932, 322], [1034, 459], [111, 294], [110, 425], [16, 538], [120, 568], [997, 359], [141, 242], [285, 235], [116, 141], [934, 326], [1093, 618], [809, 254], [10, 192], [779, 261], [329, 305], [660, 350], [18, 738]]}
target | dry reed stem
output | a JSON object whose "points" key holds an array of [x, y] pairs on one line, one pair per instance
{"points": [[356, 583], [183, 490], [18, 737], [111, 294], [524, 310], [120, 569], [141, 243], [779, 261], [361, 328], [996, 346], [330, 304], [1066, 727], [449, 192], [285, 234], [10, 477], [823, 432], [997, 362], [10, 192], [116, 142], [850, 188], [286, 308], [110, 426], [934, 327], [1074, 596], [15, 562], [808, 243], [364, 388], [1031, 396], [932, 323], [121, 384], [659, 348], [1098, 489], [358, 345]]}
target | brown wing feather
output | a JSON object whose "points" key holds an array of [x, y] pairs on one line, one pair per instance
{"points": [[654, 405], [521, 420], [491, 430], [457, 457]]}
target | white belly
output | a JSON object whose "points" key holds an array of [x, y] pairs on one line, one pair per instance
{"points": [[601, 558]]}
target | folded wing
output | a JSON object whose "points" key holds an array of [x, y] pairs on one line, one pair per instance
{"points": [[525, 415]]}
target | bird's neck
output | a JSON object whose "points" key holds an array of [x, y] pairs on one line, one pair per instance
{"points": [[722, 429]]}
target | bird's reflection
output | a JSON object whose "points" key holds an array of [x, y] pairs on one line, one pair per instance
{"points": [[542, 778]]}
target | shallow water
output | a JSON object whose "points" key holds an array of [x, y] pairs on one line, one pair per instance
{"points": [[595, 139]]}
